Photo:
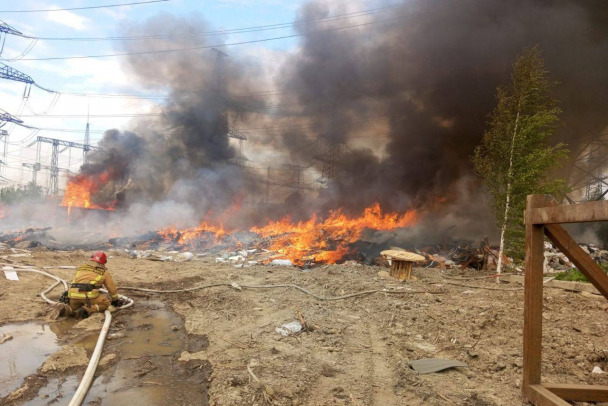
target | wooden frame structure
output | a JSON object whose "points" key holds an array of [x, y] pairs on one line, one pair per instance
{"points": [[543, 217]]}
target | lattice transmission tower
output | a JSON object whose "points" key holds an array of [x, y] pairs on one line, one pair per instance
{"points": [[589, 173], [329, 150], [221, 95], [54, 167]]}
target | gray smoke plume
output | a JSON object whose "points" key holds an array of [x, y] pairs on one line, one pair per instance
{"points": [[405, 98]]}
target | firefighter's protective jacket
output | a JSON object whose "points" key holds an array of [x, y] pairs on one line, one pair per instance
{"points": [[95, 274]]}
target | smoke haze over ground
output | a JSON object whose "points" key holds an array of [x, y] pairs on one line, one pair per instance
{"points": [[406, 97]]}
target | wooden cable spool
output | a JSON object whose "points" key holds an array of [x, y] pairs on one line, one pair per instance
{"points": [[402, 263]]}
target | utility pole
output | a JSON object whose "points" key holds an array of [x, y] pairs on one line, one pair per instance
{"points": [[87, 141], [6, 30], [267, 185], [296, 181], [6, 72], [240, 156], [7, 118], [37, 167], [220, 77], [221, 97], [588, 175], [3, 136], [329, 151], [54, 168]]}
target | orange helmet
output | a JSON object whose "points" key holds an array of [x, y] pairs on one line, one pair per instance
{"points": [[99, 257]]}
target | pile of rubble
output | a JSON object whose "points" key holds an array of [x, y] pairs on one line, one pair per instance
{"points": [[244, 249], [556, 261]]}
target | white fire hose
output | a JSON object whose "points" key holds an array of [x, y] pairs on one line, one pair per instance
{"points": [[87, 378]]}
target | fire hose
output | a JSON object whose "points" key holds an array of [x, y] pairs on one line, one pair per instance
{"points": [[87, 378]]}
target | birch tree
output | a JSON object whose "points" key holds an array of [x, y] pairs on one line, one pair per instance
{"points": [[514, 158]]}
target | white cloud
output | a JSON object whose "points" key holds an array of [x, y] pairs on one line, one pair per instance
{"points": [[68, 18]]}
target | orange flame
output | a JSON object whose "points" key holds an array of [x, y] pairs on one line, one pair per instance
{"points": [[80, 188], [329, 240], [189, 234], [319, 240]]}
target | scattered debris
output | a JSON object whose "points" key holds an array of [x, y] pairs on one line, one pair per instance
{"points": [[289, 328], [10, 273], [597, 370], [553, 283], [281, 262], [431, 365], [5, 338], [183, 257]]}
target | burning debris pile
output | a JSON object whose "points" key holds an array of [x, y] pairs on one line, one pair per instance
{"points": [[397, 133], [81, 188], [331, 240]]}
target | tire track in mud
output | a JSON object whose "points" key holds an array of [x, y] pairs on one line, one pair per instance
{"points": [[382, 374]]}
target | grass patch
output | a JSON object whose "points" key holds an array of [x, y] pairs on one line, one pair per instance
{"points": [[575, 275]]}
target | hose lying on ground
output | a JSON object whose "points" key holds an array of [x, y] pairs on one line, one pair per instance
{"points": [[87, 378], [301, 289]]}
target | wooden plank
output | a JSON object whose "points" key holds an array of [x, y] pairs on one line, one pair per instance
{"points": [[533, 298], [541, 396], [580, 393], [554, 283], [579, 258], [574, 213]]}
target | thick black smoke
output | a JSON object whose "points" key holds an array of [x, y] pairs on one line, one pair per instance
{"points": [[431, 75], [404, 99]]}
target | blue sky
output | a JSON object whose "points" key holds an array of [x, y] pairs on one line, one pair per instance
{"points": [[106, 75]]}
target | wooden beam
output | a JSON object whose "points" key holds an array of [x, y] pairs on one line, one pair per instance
{"points": [[541, 396], [533, 298], [580, 393], [580, 258], [574, 213]]}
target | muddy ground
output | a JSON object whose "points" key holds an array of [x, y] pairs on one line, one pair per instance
{"points": [[357, 351]]}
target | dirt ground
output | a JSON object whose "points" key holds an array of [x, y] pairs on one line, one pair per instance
{"points": [[358, 350]]}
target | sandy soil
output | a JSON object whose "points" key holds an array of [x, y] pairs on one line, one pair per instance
{"points": [[358, 350]]}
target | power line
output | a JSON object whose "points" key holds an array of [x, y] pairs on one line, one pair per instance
{"points": [[92, 115], [207, 46], [84, 8], [242, 30], [160, 96]]}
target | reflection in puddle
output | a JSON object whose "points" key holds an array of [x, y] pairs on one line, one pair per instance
{"points": [[20, 357], [58, 391], [148, 341]]}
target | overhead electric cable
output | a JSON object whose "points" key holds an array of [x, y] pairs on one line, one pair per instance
{"points": [[84, 8], [160, 96], [93, 115], [207, 46], [242, 30]]}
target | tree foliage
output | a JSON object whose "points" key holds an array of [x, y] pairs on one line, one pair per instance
{"points": [[14, 195], [514, 158]]}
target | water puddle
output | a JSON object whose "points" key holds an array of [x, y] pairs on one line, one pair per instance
{"points": [[31, 344], [147, 341]]}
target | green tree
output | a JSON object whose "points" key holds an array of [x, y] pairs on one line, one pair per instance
{"points": [[13, 195], [514, 158]]}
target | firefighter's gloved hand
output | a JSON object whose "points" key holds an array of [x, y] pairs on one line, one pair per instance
{"points": [[116, 303]]}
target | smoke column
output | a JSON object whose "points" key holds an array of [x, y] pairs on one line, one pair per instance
{"points": [[407, 95]]}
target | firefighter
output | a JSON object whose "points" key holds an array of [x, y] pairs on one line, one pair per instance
{"points": [[84, 296]]}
